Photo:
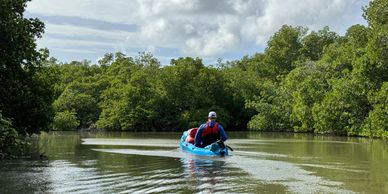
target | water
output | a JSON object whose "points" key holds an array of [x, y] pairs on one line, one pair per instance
{"points": [[153, 163]]}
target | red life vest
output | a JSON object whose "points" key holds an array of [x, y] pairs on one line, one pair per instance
{"points": [[191, 135], [210, 134]]}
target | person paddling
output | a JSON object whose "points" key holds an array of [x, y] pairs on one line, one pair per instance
{"points": [[210, 132]]}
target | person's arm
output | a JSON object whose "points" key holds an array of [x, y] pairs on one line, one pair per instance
{"points": [[198, 139], [222, 133]]}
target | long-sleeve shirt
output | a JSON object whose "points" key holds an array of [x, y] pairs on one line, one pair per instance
{"points": [[198, 135]]}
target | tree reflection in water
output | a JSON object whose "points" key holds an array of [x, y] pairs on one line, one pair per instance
{"points": [[203, 173]]}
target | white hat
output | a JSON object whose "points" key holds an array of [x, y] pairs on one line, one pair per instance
{"points": [[212, 114]]}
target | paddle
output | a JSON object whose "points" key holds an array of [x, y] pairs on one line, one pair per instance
{"points": [[223, 145], [231, 149]]}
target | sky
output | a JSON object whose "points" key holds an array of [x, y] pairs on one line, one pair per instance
{"points": [[209, 29]]}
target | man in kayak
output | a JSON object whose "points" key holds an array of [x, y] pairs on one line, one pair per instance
{"points": [[210, 132]]}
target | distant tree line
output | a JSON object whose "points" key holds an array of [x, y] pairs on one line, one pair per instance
{"points": [[304, 81]]}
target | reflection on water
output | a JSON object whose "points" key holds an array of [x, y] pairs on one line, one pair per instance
{"points": [[152, 163], [204, 174]]}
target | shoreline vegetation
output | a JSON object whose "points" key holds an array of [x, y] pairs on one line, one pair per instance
{"points": [[304, 81]]}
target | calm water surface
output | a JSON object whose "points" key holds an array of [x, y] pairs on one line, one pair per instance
{"points": [[152, 163]]}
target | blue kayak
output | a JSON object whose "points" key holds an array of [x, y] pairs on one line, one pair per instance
{"points": [[210, 150]]}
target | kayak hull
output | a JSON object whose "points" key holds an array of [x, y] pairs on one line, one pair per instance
{"points": [[210, 150]]}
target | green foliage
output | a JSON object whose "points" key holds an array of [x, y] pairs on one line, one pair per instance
{"points": [[106, 60], [315, 42], [283, 49], [329, 96], [78, 86], [65, 121], [376, 13], [306, 87], [376, 124], [376, 66], [25, 93], [343, 108], [273, 110], [83, 104], [11, 143], [357, 36], [343, 54], [131, 97]]}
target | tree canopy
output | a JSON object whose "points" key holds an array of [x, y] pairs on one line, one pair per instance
{"points": [[26, 88], [25, 92]]}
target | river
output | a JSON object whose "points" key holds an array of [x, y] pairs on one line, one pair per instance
{"points": [[114, 162]]}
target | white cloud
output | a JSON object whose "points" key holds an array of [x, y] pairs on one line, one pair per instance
{"points": [[314, 14], [194, 27], [80, 31], [212, 43], [121, 11]]}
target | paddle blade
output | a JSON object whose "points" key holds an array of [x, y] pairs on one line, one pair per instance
{"points": [[231, 149]]}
